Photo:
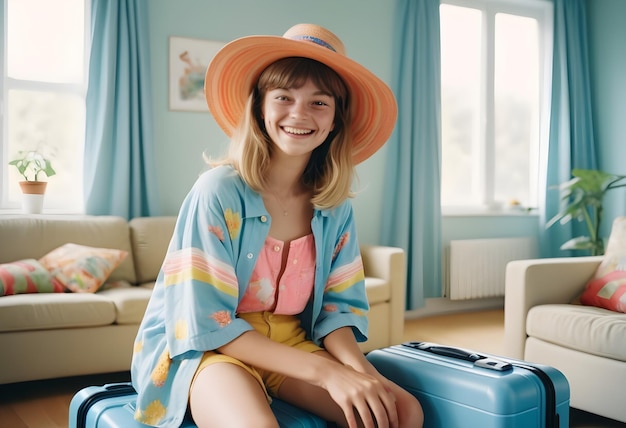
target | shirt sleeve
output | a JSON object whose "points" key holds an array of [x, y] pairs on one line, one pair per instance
{"points": [[344, 301], [201, 287]]}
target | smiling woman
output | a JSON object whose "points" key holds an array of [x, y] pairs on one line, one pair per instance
{"points": [[45, 82]]}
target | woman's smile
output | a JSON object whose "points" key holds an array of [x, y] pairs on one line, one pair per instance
{"points": [[303, 115]]}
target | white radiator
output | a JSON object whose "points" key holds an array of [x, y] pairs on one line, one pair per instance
{"points": [[475, 268]]}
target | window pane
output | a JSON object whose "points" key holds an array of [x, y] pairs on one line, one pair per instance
{"points": [[40, 120], [516, 93], [46, 40], [460, 105]]}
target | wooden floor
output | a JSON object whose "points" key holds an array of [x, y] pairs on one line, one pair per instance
{"points": [[45, 404], [479, 331]]}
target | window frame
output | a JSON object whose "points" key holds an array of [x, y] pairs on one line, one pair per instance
{"points": [[542, 11], [8, 83]]}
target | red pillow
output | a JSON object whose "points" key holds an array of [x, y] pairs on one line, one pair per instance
{"points": [[607, 288]]}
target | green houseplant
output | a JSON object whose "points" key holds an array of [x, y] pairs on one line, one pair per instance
{"points": [[582, 198], [31, 164]]}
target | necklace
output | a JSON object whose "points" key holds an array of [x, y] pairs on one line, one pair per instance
{"points": [[284, 208]]}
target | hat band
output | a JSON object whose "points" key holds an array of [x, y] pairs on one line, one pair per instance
{"points": [[315, 40]]}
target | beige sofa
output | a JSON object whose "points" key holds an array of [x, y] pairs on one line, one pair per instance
{"points": [[50, 335], [586, 343]]}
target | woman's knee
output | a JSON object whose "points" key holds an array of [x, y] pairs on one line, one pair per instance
{"points": [[410, 411]]}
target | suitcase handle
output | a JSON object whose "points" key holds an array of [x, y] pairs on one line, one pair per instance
{"points": [[461, 354], [447, 351]]}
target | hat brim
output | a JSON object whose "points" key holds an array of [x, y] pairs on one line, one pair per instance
{"points": [[234, 70]]}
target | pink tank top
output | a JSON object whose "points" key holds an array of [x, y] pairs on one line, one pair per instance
{"points": [[289, 294]]}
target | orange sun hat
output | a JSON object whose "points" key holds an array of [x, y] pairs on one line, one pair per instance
{"points": [[235, 69]]}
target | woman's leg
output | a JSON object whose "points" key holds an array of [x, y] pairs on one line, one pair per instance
{"points": [[318, 401], [226, 395]]}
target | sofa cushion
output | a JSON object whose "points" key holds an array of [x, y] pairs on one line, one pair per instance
{"points": [[130, 301], [49, 311], [583, 328], [35, 236], [80, 268], [607, 288], [26, 276], [150, 237]]}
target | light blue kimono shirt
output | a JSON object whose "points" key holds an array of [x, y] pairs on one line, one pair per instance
{"points": [[220, 230]]}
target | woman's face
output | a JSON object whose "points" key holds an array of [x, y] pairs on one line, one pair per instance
{"points": [[298, 120]]}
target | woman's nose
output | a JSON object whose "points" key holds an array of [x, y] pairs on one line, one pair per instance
{"points": [[298, 109]]}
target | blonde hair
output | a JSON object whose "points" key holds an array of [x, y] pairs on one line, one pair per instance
{"points": [[330, 170]]}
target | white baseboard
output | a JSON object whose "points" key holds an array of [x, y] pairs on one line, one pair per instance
{"points": [[443, 306]]}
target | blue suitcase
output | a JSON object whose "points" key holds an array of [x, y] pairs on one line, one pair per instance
{"points": [[113, 406], [461, 388]]}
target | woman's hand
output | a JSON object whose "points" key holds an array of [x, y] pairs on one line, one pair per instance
{"points": [[366, 394]]}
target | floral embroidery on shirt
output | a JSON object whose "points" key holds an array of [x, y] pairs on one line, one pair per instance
{"points": [[162, 369], [330, 307], [357, 311], [181, 330], [138, 346], [152, 415], [342, 242], [222, 318], [262, 290], [217, 231], [233, 222]]}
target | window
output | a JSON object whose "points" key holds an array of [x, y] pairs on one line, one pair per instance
{"points": [[495, 62], [42, 95]]}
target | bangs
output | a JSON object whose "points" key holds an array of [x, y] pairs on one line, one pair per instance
{"points": [[294, 72]]}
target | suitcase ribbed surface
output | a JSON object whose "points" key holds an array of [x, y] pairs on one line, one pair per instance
{"points": [[461, 388]]}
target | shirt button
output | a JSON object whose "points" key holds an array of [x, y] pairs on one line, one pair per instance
{"points": [[264, 219], [295, 261], [250, 255], [276, 248]]}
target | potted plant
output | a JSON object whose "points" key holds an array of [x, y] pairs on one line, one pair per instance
{"points": [[31, 164], [582, 198]]}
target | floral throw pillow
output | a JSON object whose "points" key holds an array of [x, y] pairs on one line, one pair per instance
{"points": [[26, 276], [607, 288], [80, 268]]}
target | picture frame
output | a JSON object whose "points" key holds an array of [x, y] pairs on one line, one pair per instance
{"points": [[188, 61]]}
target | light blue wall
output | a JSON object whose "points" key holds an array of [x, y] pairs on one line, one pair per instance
{"points": [[607, 42], [180, 137], [365, 26]]}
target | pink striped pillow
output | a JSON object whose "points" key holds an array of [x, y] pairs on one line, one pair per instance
{"points": [[26, 276]]}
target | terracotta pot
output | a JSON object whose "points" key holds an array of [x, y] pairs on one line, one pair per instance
{"points": [[33, 187]]}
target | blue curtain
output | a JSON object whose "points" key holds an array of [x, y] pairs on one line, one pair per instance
{"points": [[119, 157], [571, 142], [412, 220]]}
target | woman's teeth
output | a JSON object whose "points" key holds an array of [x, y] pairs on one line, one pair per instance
{"points": [[297, 131]]}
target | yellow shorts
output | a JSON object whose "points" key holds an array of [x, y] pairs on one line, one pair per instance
{"points": [[284, 329]]}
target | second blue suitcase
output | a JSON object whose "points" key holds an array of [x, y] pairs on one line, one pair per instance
{"points": [[461, 388], [112, 406]]}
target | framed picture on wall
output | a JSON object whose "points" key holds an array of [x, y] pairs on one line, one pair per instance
{"points": [[188, 60]]}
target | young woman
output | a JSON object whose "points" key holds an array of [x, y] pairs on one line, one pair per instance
{"points": [[261, 293]]}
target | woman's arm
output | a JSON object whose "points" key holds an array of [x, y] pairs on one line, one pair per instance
{"points": [[342, 345]]}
